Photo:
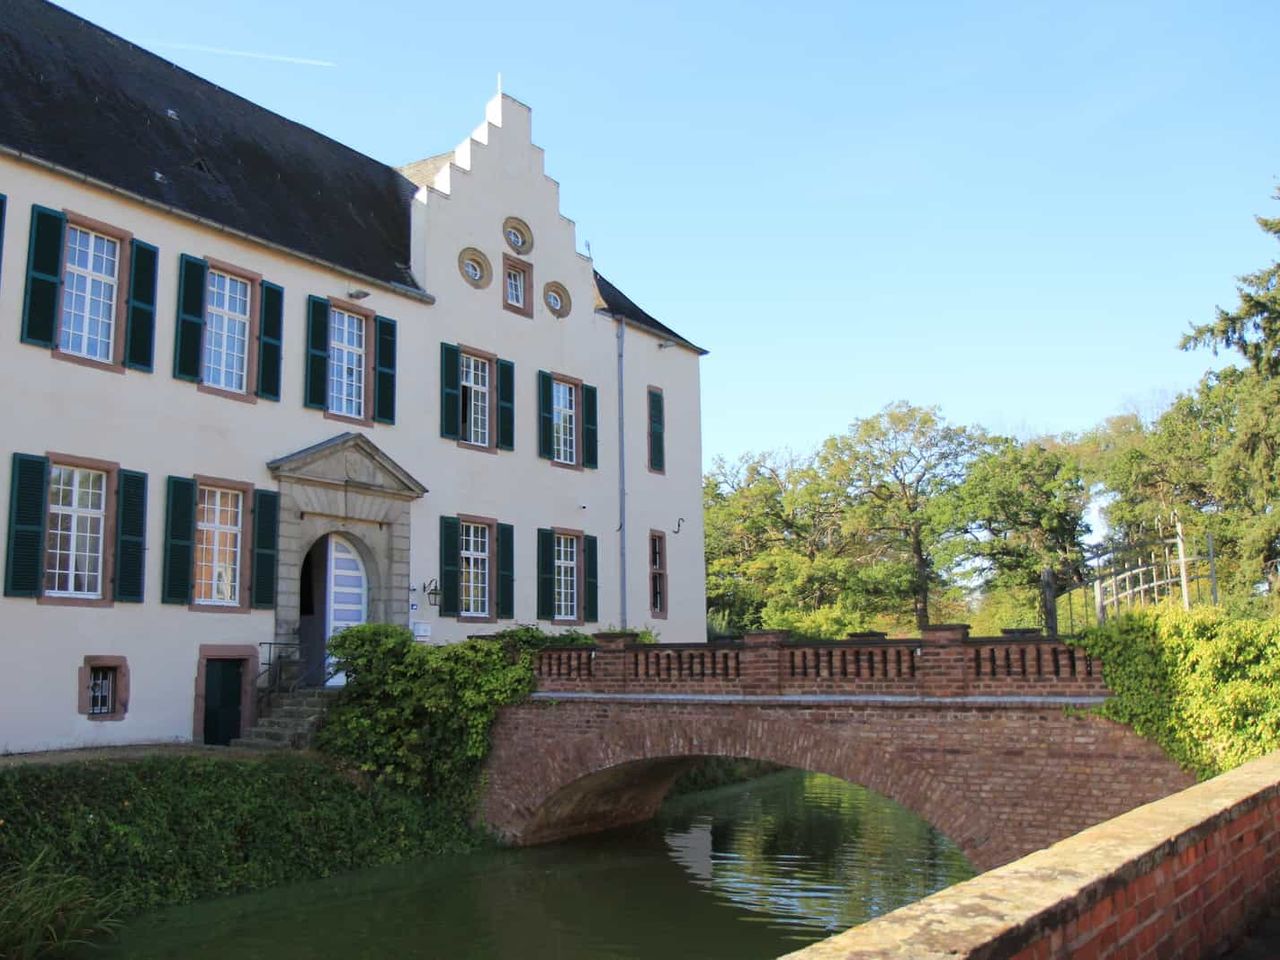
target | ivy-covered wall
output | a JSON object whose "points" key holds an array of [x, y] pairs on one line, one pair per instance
{"points": [[1203, 684]]}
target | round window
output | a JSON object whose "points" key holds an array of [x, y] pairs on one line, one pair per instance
{"points": [[518, 235], [474, 267], [556, 297]]}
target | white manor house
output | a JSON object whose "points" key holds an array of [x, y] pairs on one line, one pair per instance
{"points": [[259, 387]]}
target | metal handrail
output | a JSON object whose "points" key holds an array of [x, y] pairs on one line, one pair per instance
{"points": [[271, 671]]}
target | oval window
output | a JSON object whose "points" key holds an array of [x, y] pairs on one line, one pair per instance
{"points": [[517, 234], [556, 297], [474, 267]]}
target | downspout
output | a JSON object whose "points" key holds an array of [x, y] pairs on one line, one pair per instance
{"points": [[622, 475]]}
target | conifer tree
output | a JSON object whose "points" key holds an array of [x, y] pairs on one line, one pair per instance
{"points": [[1253, 327]]}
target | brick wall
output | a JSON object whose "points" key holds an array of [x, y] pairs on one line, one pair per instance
{"points": [[1000, 779], [1177, 879], [945, 662]]}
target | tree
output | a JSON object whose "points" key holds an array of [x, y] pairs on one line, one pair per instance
{"points": [[1023, 508], [1253, 327], [895, 469]]}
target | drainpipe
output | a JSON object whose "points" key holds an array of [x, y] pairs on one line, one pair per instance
{"points": [[622, 477]]}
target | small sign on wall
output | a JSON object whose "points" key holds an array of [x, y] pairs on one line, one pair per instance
{"points": [[421, 629]]}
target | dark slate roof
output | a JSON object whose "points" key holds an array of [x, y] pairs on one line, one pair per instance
{"points": [[75, 95], [618, 303]]}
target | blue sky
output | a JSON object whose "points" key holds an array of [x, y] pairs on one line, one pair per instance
{"points": [[1010, 210]]}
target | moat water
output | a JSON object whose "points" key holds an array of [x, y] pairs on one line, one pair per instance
{"points": [[752, 871]]}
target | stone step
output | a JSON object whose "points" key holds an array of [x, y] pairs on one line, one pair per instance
{"points": [[249, 743], [273, 722], [295, 713], [262, 732]]}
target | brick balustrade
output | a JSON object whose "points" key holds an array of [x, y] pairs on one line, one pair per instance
{"points": [[945, 662], [1177, 879]]}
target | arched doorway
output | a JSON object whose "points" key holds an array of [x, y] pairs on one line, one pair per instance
{"points": [[333, 595]]}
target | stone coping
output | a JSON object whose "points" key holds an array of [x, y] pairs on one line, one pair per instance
{"points": [[794, 699], [999, 912]]}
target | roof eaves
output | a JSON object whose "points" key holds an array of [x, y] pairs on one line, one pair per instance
{"points": [[403, 289]]}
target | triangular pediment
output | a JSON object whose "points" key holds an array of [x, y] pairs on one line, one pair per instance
{"points": [[349, 460]]}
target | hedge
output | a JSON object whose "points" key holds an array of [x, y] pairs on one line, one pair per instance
{"points": [[170, 829]]}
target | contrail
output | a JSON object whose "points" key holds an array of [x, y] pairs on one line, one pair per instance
{"points": [[248, 54]]}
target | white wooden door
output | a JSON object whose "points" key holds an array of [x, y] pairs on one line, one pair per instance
{"points": [[348, 593]]}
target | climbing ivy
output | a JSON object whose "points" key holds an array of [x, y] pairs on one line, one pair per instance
{"points": [[1203, 684], [418, 716]]}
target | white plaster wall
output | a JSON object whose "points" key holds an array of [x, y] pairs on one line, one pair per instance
{"points": [[498, 173], [161, 426]]}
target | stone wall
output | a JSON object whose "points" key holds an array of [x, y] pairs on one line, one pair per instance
{"points": [[999, 778], [1177, 879]]}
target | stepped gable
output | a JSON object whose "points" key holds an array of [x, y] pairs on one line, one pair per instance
{"points": [[75, 95]]}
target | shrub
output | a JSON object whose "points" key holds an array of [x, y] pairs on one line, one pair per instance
{"points": [[1203, 684], [44, 912]]}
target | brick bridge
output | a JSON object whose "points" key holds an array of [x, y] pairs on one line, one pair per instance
{"points": [[972, 734]]}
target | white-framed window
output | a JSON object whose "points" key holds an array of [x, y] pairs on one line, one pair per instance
{"points": [[474, 569], [102, 690], [565, 577], [657, 574], [346, 363], [515, 286], [74, 541], [90, 283], [219, 525], [475, 400], [564, 422], [226, 332]]}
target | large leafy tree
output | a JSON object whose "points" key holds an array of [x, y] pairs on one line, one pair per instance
{"points": [[1023, 507], [896, 469], [1253, 327], [781, 554]]}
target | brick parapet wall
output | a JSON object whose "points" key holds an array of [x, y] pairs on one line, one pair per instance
{"points": [[944, 662], [1177, 879]]}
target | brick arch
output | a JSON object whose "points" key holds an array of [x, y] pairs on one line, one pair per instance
{"points": [[999, 781]]}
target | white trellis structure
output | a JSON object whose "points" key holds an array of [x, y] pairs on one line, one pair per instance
{"points": [[1125, 575]]}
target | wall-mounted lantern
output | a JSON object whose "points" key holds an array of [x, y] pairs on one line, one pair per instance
{"points": [[432, 591]]}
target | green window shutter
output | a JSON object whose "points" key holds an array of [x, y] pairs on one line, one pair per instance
{"points": [[657, 448], [506, 405], [28, 506], [544, 415], [384, 370], [188, 343], [179, 540], [506, 571], [591, 584], [546, 575], [317, 381], [449, 547], [140, 320], [131, 536], [266, 533], [450, 391], [44, 277], [590, 416], [270, 341]]}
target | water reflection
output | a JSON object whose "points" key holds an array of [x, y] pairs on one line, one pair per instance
{"points": [[750, 871], [810, 851]]}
